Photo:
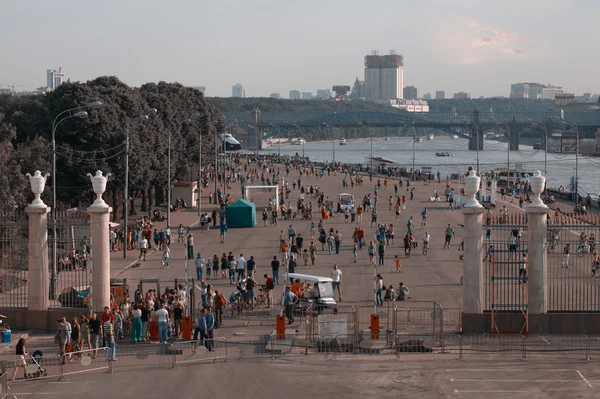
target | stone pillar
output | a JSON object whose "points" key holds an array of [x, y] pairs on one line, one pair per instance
{"points": [[537, 266], [38, 280], [99, 232], [473, 289]]}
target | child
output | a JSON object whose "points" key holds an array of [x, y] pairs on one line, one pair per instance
{"points": [[398, 264], [355, 252], [305, 257]]}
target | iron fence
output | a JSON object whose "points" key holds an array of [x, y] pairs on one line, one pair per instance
{"points": [[14, 228], [70, 266], [573, 267]]}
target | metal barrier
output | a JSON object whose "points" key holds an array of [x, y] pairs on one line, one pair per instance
{"points": [[199, 351], [82, 362]]}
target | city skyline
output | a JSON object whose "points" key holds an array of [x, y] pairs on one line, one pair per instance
{"points": [[465, 46]]}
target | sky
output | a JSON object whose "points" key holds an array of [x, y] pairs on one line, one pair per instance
{"points": [[274, 46]]}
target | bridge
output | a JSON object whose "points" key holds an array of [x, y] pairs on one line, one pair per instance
{"points": [[463, 124]]}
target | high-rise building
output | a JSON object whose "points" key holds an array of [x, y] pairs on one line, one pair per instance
{"points": [[384, 76], [54, 78], [410, 93], [440, 95], [307, 95], [201, 89], [462, 95], [519, 90], [357, 90], [324, 93], [427, 96], [238, 90], [550, 92], [275, 95], [295, 95]]}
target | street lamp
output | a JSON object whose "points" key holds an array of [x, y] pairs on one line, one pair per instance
{"points": [[77, 112], [126, 194]]}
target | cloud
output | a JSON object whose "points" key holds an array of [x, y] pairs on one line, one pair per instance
{"points": [[496, 39]]}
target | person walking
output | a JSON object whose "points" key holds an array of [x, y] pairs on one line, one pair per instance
{"points": [[143, 243], [426, 238], [424, 215], [136, 324], [62, 338], [20, 360], [251, 266], [94, 328], [240, 267], [336, 276], [190, 245], [165, 257], [449, 234], [565, 257], [210, 326], [109, 340], [200, 331], [337, 241], [381, 252]]}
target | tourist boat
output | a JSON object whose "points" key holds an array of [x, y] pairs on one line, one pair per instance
{"points": [[430, 137], [342, 141], [420, 140], [454, 137], [298, 141], [444, 154]]}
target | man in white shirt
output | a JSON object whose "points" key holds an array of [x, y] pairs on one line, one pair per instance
{"points": [[336, 276], [166, 256], [163, 323], [241, 267], [426, 238], [143, 243]]}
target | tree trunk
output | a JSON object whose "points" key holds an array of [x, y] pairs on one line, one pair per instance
{"points": [[150, 203], [144, 207], [115, 206], [132, 210], [160, 195]]}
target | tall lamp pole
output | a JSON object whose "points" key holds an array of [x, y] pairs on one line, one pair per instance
{"points": [[126, 194], [576, 165], [77, 112], [413, 157]]}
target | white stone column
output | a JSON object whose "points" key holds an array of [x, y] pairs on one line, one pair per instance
{"points": [[99, 231], [38, 278], [537, 266], [473, 288]]}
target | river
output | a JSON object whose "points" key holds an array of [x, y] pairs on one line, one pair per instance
{"points": [[561, 167]]}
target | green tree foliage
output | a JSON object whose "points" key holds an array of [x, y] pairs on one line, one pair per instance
{"points": [[84, 145]]}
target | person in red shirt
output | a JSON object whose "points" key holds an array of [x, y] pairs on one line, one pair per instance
{"points": [[269, 286], [107, 315], [360, 233]]}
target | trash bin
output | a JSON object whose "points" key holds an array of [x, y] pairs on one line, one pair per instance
{"points": [[5, 336]]}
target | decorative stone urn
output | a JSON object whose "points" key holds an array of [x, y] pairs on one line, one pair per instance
{"points": [[537, 182], [38, 183], [99, 186], [471, 188]]}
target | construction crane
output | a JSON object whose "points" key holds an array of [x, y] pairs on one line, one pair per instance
{"points": [[11, 86]]}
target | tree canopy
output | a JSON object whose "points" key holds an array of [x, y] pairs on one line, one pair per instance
{"points": [[84, 145]]}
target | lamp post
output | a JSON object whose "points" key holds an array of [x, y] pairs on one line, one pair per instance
{"points": [[126, 194], [413, 157], [216, 197], [77, 112], [576, 165]]}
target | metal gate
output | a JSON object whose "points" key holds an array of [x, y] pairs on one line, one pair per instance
{"points": [[573, 278], [504, 246], [13, 259], [70, 266]]}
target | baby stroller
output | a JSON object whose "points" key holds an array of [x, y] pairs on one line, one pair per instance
{"points": [[34, 370]]}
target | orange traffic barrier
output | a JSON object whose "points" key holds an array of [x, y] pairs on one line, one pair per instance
{"points": [[186, 327], [374, 326], [280, 326]]}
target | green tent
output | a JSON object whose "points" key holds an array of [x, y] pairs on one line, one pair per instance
{"points": [[241, 213]]}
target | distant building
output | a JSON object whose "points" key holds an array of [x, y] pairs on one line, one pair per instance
{"points": [[324, 93], [462, 95], [6, 91], [519, 90], [534, 91], [275, 95], [295, 95], [440, 95], [427, 96], [407, 105], [357, 90], [564, 99], [201, 89], [384, 76], [307, 95], [54, 78], [238, 91], [410, 93]]}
